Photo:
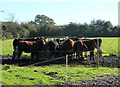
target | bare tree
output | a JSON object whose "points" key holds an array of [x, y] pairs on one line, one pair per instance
{"points": [[11, 17]]}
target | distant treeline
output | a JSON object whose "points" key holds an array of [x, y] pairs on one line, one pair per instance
{"points": [[45, 26]]}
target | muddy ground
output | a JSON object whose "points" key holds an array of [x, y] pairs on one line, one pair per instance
{"points": [[108, 61], [102, 81]]}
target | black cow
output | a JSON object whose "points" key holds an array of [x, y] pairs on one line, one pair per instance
{"points": [[52, 48]]}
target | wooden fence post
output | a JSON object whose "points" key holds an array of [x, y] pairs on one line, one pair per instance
{"points": [[97, 52], [66, 69]]}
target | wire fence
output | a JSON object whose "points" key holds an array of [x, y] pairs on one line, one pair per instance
{"points": [[46, 53], [109, 48]]}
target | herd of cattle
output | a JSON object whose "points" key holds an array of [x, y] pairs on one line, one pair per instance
{"points": [[40, 47]]}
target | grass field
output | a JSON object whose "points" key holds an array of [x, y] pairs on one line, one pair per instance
{"points": [[109, 46], [15, 75], [40, 75]]}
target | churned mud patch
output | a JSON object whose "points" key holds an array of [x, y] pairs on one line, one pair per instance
{"points": [[104, 61], [107, 80]]}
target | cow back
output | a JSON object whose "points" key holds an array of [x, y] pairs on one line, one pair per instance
{"points": [[28, 45]]}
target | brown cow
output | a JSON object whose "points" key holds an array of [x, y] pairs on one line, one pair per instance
{"points": [[66, 47], [33, 46], [86, 45]]}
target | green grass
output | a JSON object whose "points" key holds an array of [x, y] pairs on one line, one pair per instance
{"points": [[109, 46], [7, 47], [26, 75]]}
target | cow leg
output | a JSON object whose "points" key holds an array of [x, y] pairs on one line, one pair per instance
{"points": [[53, 54], [38, 54], [81, 58], [100, 51], [81, 54], [14, 55], [56, 54], [19, 54], [14, 52], [60, 53], [92, 55], [50, 54], [32, 54], [86, 54], [77, 55], [74, 56]]}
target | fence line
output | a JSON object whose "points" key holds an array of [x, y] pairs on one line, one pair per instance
{"points": [[60, 51], [45, 61], [66, 69], [95, 53], [55, 51]]}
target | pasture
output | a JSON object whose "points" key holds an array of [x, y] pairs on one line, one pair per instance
{"points": [[56, 74], [109, 46], [52, 75]]}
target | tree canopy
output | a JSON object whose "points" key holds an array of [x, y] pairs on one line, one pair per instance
{"points": [[42, 19], [45, 26]]}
